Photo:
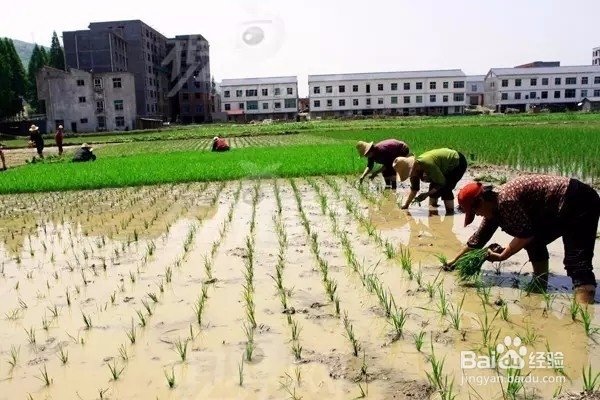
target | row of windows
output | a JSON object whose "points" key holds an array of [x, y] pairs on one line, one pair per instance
{"points": [[393, 86], [253, 105], [393, 100], [557, 81], [186, 96], [569, 94], [118, 104], [117, 83], [199, 109], [119, 121], [254, 92]]}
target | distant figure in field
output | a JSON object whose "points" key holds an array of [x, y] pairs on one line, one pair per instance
{"points": [[219, 144], [2, 159], [36, 140], [84, 153], [59, 139], [383, 153]]}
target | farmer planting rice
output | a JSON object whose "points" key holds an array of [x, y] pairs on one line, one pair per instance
{"points": [[219, 144], [36, 140], [84, 153], [443, 168], [384, 153], [536, 210]]}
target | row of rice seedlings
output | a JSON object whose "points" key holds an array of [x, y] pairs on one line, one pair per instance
{"points": [[351, 336], [438, 379], [249, 326]]}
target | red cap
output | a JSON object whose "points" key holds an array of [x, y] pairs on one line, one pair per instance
{"points": [[466, 197]]}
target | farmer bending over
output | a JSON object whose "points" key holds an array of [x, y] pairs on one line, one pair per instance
{"points": [[36, 139], [219, 144], [384, 153], [443, 168], [84, 153], [2, 159], [536, 210]]}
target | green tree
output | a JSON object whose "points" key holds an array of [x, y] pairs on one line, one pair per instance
{"points": [[57, 56], [38, 59], [18, 72], [12, 80]]}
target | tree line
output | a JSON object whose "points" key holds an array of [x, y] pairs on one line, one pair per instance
{"points": [[17, 85]]}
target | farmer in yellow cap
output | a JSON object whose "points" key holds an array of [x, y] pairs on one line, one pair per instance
{"points": [[536, 210], [383, 153], [442, 168]]}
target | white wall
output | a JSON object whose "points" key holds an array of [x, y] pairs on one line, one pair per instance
{"points": [[270, 99]]}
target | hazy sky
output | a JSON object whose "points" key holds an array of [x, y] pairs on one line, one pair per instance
{"points": [[318, 36]]}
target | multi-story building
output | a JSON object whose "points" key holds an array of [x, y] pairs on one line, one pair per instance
{"points": [[596, 56], [475, 90], [87, 102], [131, 46], [555, 88], [439, 92], [190, 87], [260, 98]]}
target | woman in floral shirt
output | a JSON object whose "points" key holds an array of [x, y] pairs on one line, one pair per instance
{"points": [[536, 210]]}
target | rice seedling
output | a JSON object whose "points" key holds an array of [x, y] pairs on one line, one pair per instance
{"points": [[456, 313], [45, 324], [168, 274], [249, 332], [123, 353], [141, 317], [350, 335], [430, 288], [44, 377], [586, 319], [181, 348], [515, 383], [132, 276], [442, 258], [131, 333], [295, 330], [63, 355], [148, 307], [436, 377], [14, 356], [398, 320], [390, 250], [574, 309], [504, 312], [469, 264], [87, 320], [241, 371], [31, 335], [330, 288], [170, 378], [591, 381], [297, 350], [419, 339], [443, 301], [531, 336], [115, 370], [336, 303], [485, 325], [13, 314], [484, 291], [419, 277], [153, 297]]}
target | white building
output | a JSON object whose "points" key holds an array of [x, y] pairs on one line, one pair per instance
{"points": [[555, 88], [84, 102], [438, 92], [260, 98], [475, 90], [596, 56]]}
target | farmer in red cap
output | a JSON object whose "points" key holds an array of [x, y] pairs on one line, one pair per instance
{"points": [[219, 144], [383, 153], [536, 210]]}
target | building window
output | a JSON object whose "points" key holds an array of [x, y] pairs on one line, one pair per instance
{"points": [[99, 106], [120, 121], [459, 97], [419, 99], [407, 86], [544, 94], [570, 94], [184, 96], [290, 103], [265, 106], [584, 93], [117, 82], [445, 98], [432, 85], [557, 94], [317, 103], [239, 93], [82, 99], [265, 92], [227, 107], [380, 87], [83, 121], [80, 82], [368, 88], [227, 93], [457, 110], [118, 105], [368, 101], [394, 86], [342, 89], [584, 80], [406, 99], [241, 106], [570, 81], [251, 92], [517, 82], [317, 90], [445, 85], [504, 96], [473, 88], [544, 81], [97, 83], [504, 82], [196, 96], [419, 85], [329, 103], [101, 122], [517, 95], [596, 92], [380, 100], [432, 98], [355, 88], [342, 102], [532, 95], [459, 84], [355, 102], [596, 80], [394, 100], [328, 89], [252, 105], [533, 82], [557, 81]]}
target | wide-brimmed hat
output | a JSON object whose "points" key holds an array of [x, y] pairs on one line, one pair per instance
{"points": [[60, 127], [467, 197], [403, 166], [33, 128], [363, 148], [86, 146], [215, 138]]}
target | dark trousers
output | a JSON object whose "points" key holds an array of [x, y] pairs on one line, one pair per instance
{"points": [[389, 176], [578, 224], [452, 178]]}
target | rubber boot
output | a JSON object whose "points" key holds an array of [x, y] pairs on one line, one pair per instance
{"points": [[433, 202], [449, 204], [584, 294], [539, 282]]}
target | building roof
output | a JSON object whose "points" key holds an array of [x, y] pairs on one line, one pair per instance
{"points": [[592, 99], [387, 75], [259, 81], [546, 70]]}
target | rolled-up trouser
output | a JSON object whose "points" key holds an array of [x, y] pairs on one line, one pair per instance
{"points": [[452, 178], [389, 175], [578, 224]]}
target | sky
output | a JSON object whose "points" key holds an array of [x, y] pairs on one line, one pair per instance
{"points": [[282, 37]]}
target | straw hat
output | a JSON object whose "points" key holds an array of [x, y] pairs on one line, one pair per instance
{"points": [[60, 127], [215, 138], [33, 128], [86, 146], [403, 166], [363, 148]]}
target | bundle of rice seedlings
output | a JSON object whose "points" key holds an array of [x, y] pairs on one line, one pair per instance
{"points": [[469, 265]]}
